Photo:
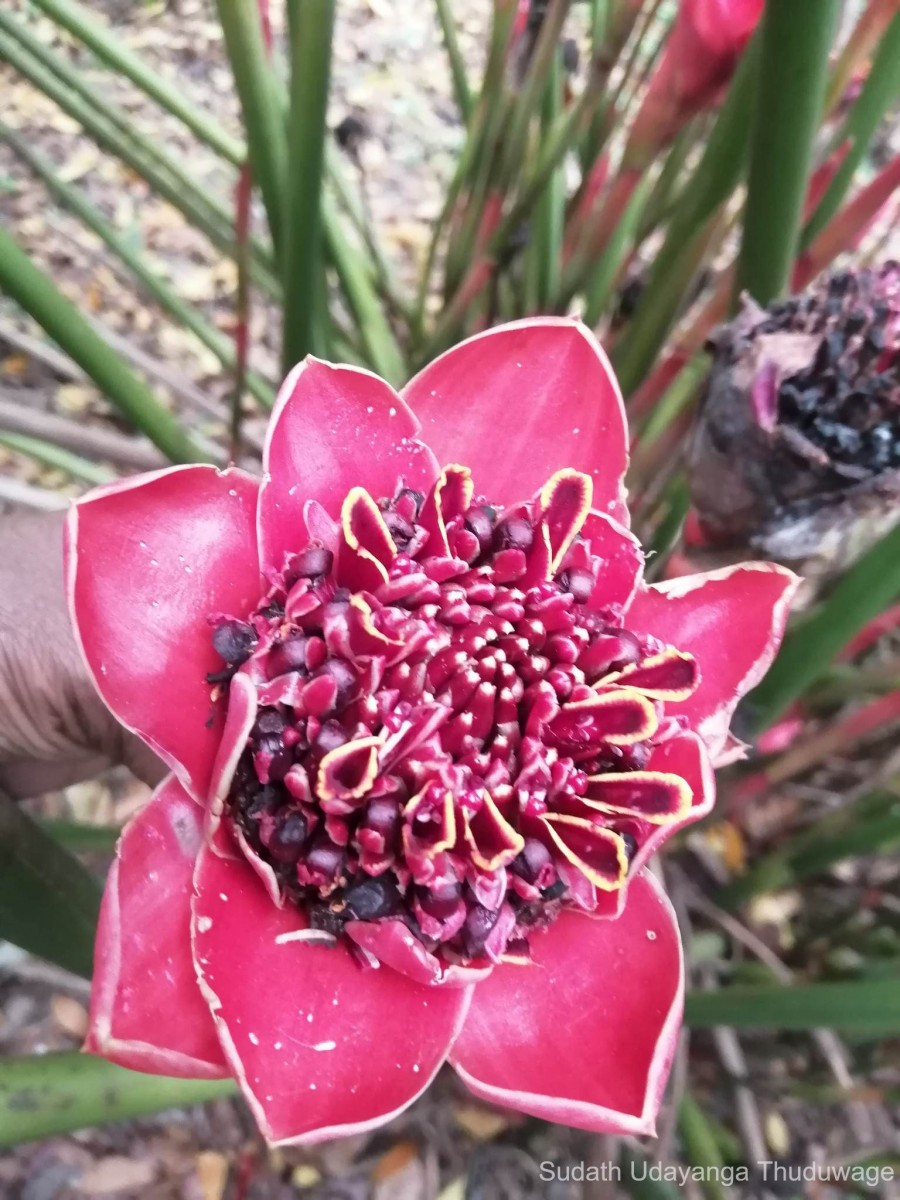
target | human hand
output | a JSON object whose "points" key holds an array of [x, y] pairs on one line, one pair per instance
{"points": [[54, 728]]}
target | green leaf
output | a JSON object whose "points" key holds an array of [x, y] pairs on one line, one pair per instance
{"points": [[636, 1180], [793, 74], [58, 457], [49, 902], [871, 825], [701, 1148], [39, 296], [866, 590], [714, 179], [311, 28], [880, 90], [111, 51], [52, 1094], [261, 105], [461, 88], [220, 344], [870, 1007], [111, 129]]}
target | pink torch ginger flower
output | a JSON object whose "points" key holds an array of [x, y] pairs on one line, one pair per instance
{"points": [[426, 726], [699, 58]]}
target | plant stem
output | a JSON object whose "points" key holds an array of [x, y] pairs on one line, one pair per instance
{"points": [[78, 21], [868, 587], [711, 183], [793, 74], [311, 28], [49, 902], [57, 457], [185, 313], [112, 131], [879, 92], [51, 1094], [870, 1007], [39, 297], [461, 88]]}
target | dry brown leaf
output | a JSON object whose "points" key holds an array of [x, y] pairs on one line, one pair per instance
{"points": [[14, 365], [212, 1174], [82, 161], [394, 1160], [70, 1016], [116, 1174], [480, 1123], [75, 397]]}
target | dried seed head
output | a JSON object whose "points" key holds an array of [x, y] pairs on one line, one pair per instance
{"points": [[797, 451]]}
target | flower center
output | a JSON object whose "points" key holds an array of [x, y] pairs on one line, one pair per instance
{"points": [[455, 733]]}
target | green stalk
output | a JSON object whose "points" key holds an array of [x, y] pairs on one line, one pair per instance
{"points": [[808, 855], [218, 343], [377, 338], [515, 135], [261, 106], [110, 129], [49, 902], [52, 1094], [547, 235], [700, 1146], [880, 91], [606, 270], [870, 1008], [492, 101], [867, 589], [56, 457], [111, 51], [796, 39], [311, 28], [81, 837], [636, 1180], [461, 88], [714, 179], [354, 203], [39, 297]]}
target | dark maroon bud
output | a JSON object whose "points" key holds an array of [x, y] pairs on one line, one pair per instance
{"points": [[401, 531], [515, 533], [288, 835], [264, 802], [289, 655], [326, 859], [331, 736], [477, 929], [269, 721], [383, 817], [532, 860], [373, 898], [440, 902], [345, 678], [234, 641], [311, 563], [579, 581], [479, 520], [411, 494], [630, 844]]}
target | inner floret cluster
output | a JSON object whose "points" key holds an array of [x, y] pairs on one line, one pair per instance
{"points": [[454, 733]]}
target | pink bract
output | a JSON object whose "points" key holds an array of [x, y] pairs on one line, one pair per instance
{"points": [[700, 56], [427, 725]]}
